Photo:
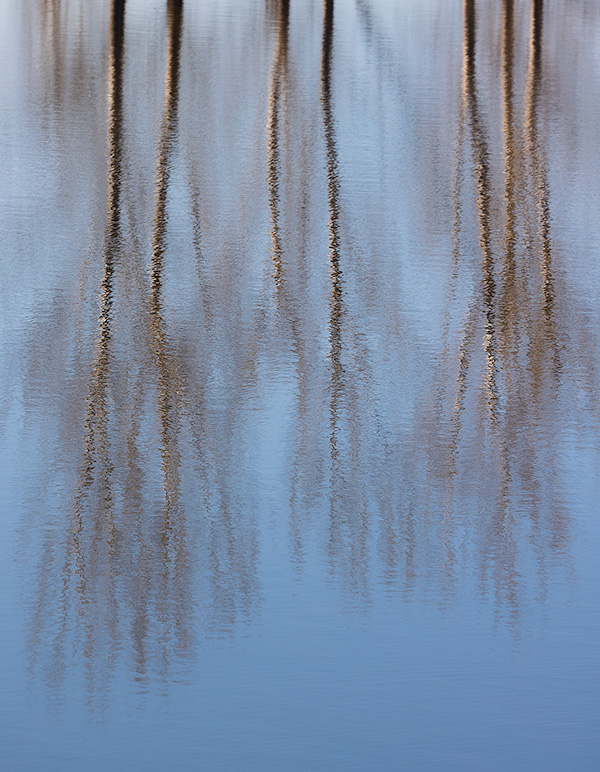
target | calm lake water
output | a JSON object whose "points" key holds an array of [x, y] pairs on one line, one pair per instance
{"points": [[299, 385]]}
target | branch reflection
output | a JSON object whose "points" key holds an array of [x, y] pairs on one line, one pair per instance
{"points": [[263, 352]]}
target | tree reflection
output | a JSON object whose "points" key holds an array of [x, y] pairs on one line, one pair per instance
{"points": [[513, 316], [241, 287], [126, 576]]}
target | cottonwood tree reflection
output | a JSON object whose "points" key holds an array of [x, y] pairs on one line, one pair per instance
{"points": [[172, 585], [88, 591], [126, 578], [411, 477], [348, 523], [513, 320], [276, 96], [287, 291]]}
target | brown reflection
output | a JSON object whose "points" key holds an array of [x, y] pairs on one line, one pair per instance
{"points": [[92, 541], [482, 175], [335, 299], [88, 581], [65, 65], [503, 545], [277, 93], [546, 330], [168, 381], [520, 334], [469, 111], [56, 53], [161, 529], [509, 317], [348, 521], [126, 574], [173, 609], [53, 48], [287, 290]]}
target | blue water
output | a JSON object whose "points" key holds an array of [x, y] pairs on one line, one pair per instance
{"points": [[299, 370]]}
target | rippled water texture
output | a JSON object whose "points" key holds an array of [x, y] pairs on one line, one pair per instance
{"points": [[299, 397]]}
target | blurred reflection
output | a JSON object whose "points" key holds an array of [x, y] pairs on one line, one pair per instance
{"points": [[126, 576], [519, 331], [481, 164], [286, 285], [261, 332], [278, 88], [336, 296], [88, 589], [546, 332], [171, 570], [348, 525]]}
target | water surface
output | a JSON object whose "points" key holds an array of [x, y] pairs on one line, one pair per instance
{"points": [[299, 361]]}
